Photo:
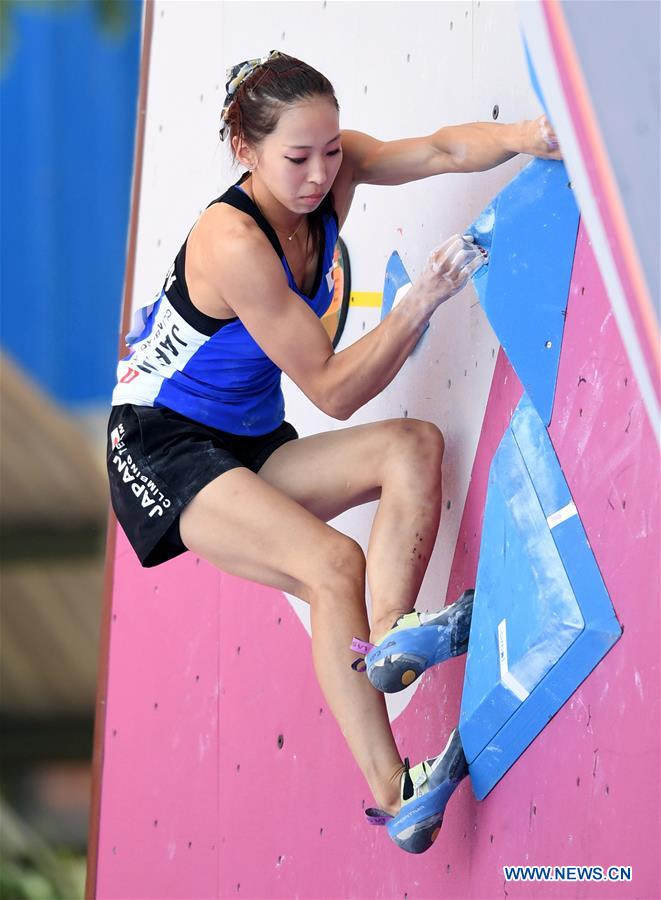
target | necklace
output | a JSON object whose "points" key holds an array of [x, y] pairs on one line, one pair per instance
{"points": [[291, 236]]}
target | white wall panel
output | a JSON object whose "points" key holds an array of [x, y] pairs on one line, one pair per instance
{"points": [[399, 69]]}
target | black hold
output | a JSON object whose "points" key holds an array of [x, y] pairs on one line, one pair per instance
{"points": [[449, 383], [449, 504], [491, 839], [451, 24], [197, 678], [155, 823], [238, 885], [114, 732], [365, 89], [580, 413], [608, 790], [114, 617], [447, 869], [321, 832], [201, 98], [238, 767], [279, 621], [408, 57], [238, 651], [190, 844], [581, 381], [321, 711], [495, 112], [578, 781], [534, 810], [626, 381], [155, 705], [582, 291], [281, 741]]}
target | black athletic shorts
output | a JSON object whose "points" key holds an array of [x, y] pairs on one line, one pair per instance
{"points": [[159, 460]]}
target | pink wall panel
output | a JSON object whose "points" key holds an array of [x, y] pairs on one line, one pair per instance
{"points": [[587, 790], [159, 810], [245, 773]]}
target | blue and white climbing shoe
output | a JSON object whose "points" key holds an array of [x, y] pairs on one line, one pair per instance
{"points": [[416, 642], [425, 791]]}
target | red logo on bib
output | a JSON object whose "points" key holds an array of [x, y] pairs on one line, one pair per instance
{"points": [[130, 375]]}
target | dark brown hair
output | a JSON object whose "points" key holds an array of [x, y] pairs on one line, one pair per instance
{"points": [[270, 89]]}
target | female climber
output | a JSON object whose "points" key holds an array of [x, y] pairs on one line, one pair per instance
{"points": [[200, 456]]}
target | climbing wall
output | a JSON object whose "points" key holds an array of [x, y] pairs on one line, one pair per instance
{"points": [[220, 770]]}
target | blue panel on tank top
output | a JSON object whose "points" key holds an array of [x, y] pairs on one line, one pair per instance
{"points": [[542, 618], [530, 232]]}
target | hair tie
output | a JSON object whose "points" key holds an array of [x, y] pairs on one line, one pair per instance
{"points": [[236, 75]]}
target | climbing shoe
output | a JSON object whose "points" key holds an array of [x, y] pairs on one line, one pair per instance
{"points": [[425, 791], [416, 642]]}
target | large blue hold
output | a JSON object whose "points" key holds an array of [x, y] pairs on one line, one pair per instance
{"points": [[396, 279], [530, 232], [542, 617]]}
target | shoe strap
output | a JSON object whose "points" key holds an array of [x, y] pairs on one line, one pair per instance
{"points": [[421, 773], [408, 620]]}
